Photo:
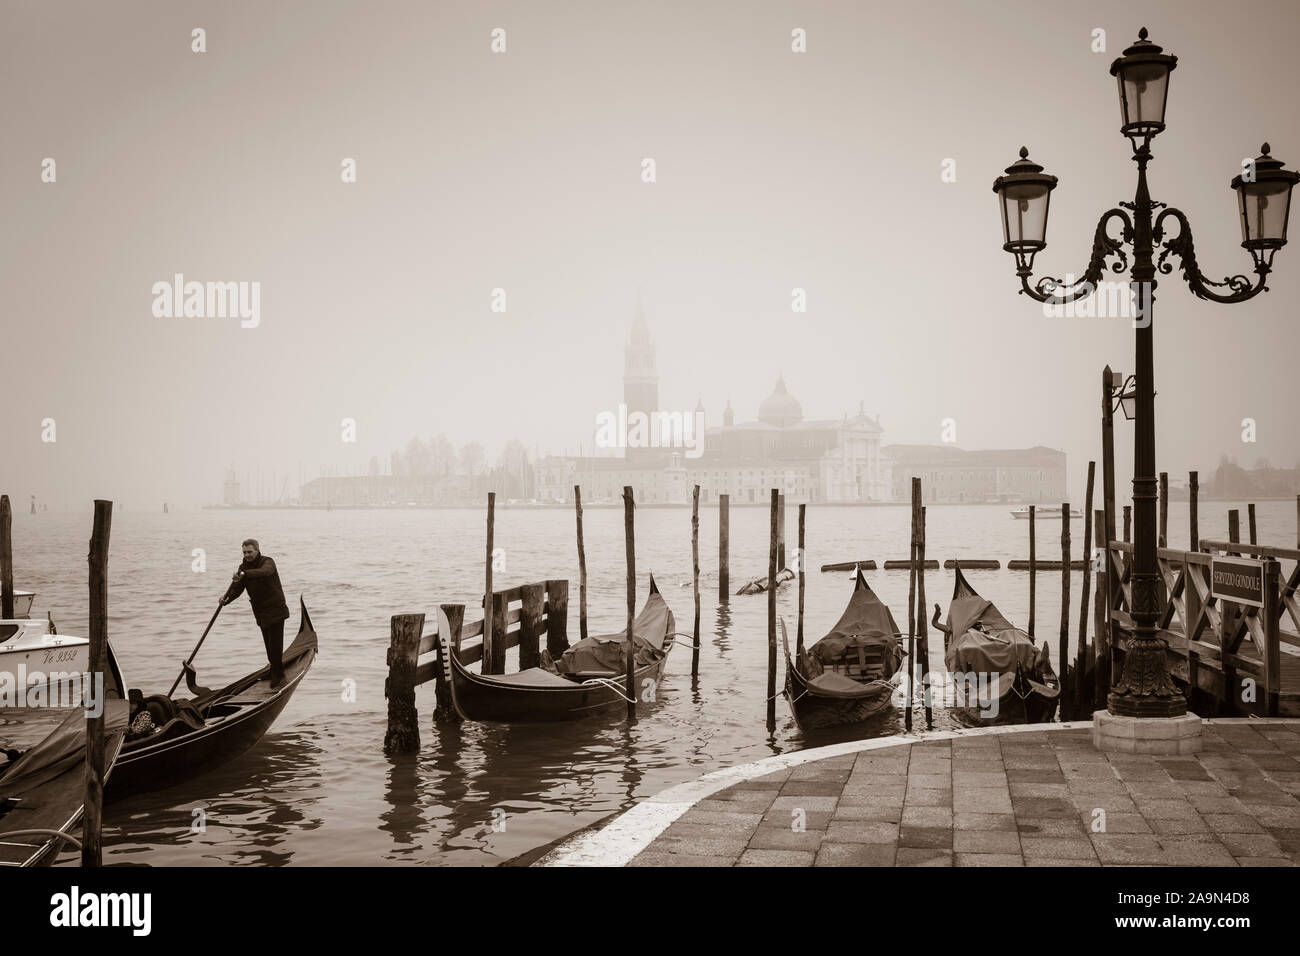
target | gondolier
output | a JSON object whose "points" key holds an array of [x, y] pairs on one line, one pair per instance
{"points": [[257, 574]]}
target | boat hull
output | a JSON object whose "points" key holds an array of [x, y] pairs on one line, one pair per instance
{"points": [[813, 711], [481, 700]]}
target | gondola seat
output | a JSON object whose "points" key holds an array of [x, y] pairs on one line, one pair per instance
{"points": [[533, 677]]}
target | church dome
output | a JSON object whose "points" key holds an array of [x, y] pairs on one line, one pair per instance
{"points": [[780, 408]]}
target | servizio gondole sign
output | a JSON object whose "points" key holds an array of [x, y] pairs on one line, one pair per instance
{"points": [[1240, 580]]}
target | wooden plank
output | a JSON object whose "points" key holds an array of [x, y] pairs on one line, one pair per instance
{"points": [[850, 566], [1019, 565], [900, 565], [1258, 550], [977, 564]]}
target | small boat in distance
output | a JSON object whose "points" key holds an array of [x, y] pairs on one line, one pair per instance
{"points": [[1045, 511], [846, 676], [1001, 678], [587, 679], [759, 585], [185, 737]]}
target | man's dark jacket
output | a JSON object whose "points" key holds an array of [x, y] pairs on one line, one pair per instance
{"points": [[262, 581]]}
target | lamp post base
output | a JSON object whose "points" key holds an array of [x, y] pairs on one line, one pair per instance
{"points": [[1145, 689], [1163, 736]]}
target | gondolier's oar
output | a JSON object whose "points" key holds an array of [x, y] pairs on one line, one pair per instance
{"points": [[195, 652]]}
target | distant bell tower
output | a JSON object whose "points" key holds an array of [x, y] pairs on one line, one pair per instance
{"points": [[640, 378]]}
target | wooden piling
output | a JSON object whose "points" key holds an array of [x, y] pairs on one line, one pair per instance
{"points": [[1101, 634], [923, 632], [911, 604], [1083, 689], [403, 736], [1108, 517], [1033, 567], [1066, 683], [6, 560], [1234, 528], [582, 567], [1228, 619], [1250, 519], [532, 602], [781, 564], [724, 578], [798, 641], [1164, 509], [1193, 491], [494, 637], [1128, 521], [771, 612], [487, 588], [1297, 521], [557, 618], [444, 711], [92, 849], [629, 653], [695, 580]]}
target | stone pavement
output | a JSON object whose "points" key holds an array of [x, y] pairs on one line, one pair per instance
{"points": [[1025, 798]]}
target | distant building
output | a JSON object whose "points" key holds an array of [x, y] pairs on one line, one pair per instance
{"points": [[951, 474], [230, 490], [388, 491]]}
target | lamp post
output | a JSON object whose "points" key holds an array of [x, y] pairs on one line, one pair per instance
{"points": [[1263, 188]]}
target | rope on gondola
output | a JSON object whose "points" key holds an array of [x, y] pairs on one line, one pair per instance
{"points": [[611, 685]]}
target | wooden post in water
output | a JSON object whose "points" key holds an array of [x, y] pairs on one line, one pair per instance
{"points": [[923, 633], [403, 736], [557, 617], [532, 603], [911, 603], [1128, 521], [6, 560], [1101, 633], [1164, 510], [487, 588], [781, 564], [1108, 517], [1228, 622], [494, 638], [695, 580], [582, 567], [629, 654], [724, 578], [444, 711], [798, 643], [1082, 688], [1193, 491], [1065, 607], [771, 612], [1297, 521], [1234, 528], [1250, 518], [92, 850], [1033, 570]]}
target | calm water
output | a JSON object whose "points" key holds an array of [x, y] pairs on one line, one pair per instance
{"points": [[318, 789]]}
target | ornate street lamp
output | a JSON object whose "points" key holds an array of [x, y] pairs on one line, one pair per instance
{"points": [[1264, 198]]}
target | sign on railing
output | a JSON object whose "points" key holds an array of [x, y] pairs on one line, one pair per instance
{"points": [[1240, 580]]}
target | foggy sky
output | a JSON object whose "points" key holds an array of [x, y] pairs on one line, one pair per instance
{"points": [[522, 171]]}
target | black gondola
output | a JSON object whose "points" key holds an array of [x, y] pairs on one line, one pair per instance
{"points": [[995, 662], [197, 734], [41, 792], [845, 677], [586, 681]]}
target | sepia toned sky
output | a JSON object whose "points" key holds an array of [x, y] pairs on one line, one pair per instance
{"points": [[522, 171]]}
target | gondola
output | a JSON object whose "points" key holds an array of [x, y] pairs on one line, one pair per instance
{"points": [[588, 679], [1015, 680], [759, 585], [846, 676], [192, 735], [41, 792]]}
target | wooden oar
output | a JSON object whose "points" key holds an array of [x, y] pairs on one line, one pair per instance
{"points": [[195, 652]]}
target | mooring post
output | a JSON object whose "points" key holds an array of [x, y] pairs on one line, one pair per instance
{"points": [[1228, 623], [487, 588], [444, 711], [922, 628], [781, 563], [1101, 633], [629, 654], [1033, 569], [798, 641], [911, 609], [695, 580], [1128, 521], [771, 612], [724, 578], [1250, 519], [1067, 684], [1193, 490], [403, 654], [495, 637], [92, 849], [1234, 528], [1082, 687], [557, 617], [6, 560], [1164, 510], [532, 602], [1271, 652], [582, 567]]}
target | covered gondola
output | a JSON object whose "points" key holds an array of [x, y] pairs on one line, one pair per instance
{"points": [[173, 739], [589, 678], [846, 677], [1000, 677]]}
